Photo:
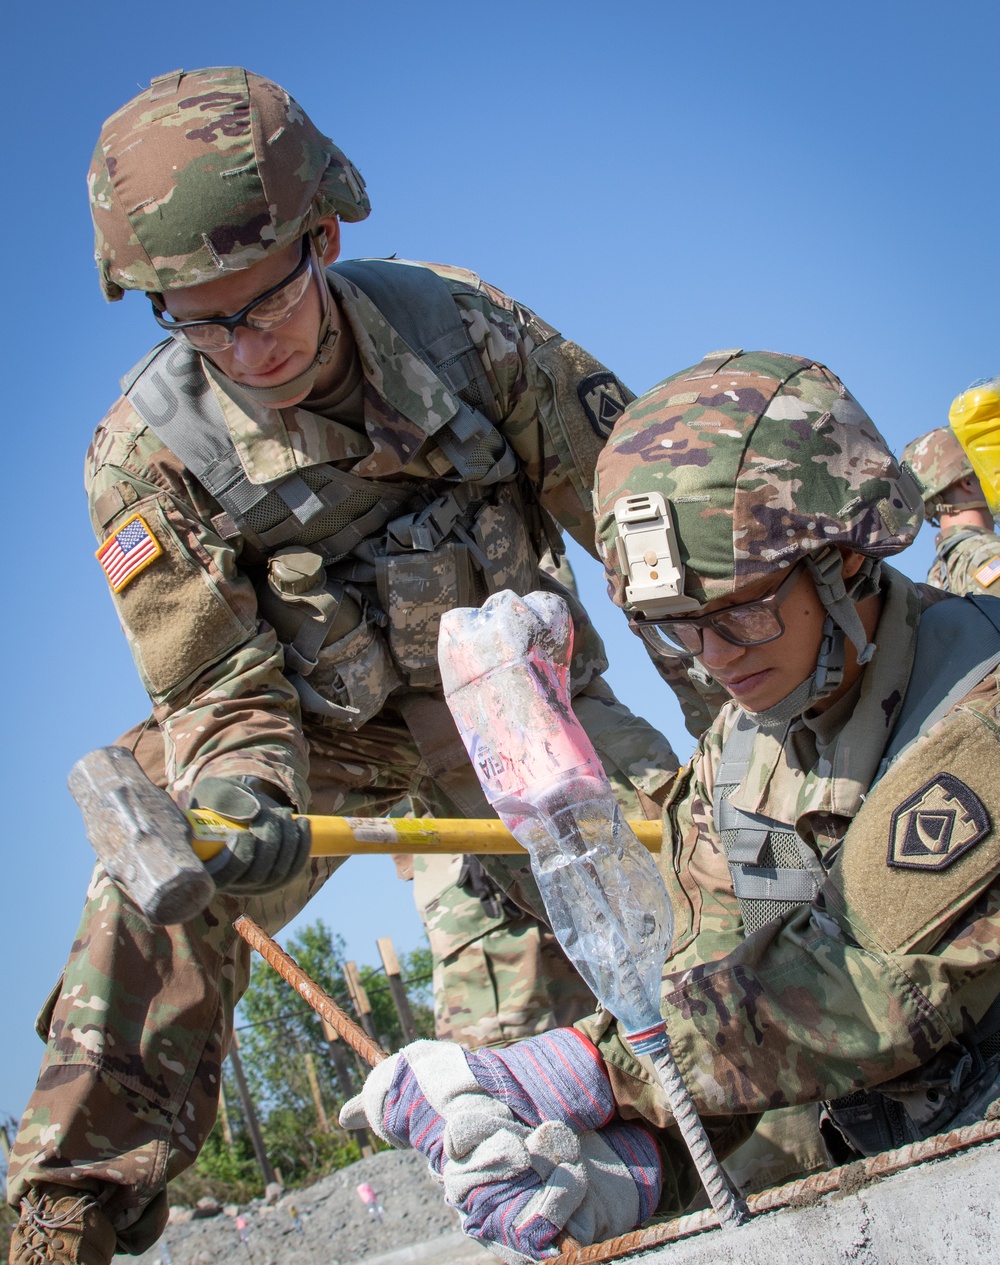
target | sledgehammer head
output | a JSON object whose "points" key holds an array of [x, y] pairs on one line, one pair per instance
{"points": [[140, 835]]}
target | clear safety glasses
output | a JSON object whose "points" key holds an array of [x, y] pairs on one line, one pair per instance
{"points": [[746, 624], [267, 311]]}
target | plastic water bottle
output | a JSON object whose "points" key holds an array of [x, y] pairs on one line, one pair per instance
{"points": [[505, 671]]}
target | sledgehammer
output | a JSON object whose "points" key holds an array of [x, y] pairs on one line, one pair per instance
{"points": [[153, 850]]}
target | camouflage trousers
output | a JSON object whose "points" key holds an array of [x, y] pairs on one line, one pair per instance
{"points": [[786, 1144], [498, 976], [140, 1023]]}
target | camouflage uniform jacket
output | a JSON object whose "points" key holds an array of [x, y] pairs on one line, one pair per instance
{"points": [[213, 669], [966, 560], [800, 1011]]}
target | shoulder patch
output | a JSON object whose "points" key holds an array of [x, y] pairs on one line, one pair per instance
{"points": [[936, 825], [128, 551], [988, 573], [604, 399]]}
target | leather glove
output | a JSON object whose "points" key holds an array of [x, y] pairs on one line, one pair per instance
{"points": [[273, 847], [524, 1140]]}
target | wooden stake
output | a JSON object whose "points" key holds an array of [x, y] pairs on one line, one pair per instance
{"points": [[321, 1116], [396, 987], [345, 1080], [250, 1115], [360, 998], [227, 1132]]}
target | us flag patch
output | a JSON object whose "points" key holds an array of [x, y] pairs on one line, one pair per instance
{"points": [[986, 575], [131, 549]]}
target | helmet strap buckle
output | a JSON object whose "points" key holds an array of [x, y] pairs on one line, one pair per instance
{"points": [[329, 333], [827, 570], [829, 674]]}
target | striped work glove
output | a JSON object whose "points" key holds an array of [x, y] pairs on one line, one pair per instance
{"points": [[524, 1140]]}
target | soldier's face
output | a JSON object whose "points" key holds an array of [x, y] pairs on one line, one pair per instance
{"points": [[758, 677], [257, 357]]}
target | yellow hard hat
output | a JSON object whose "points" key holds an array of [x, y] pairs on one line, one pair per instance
{"points": [[975, 419]]}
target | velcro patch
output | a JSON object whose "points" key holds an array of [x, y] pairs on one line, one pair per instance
{"points": [[128, 551], [935, 825], [604, 399], [938, 865], [988, 573]]}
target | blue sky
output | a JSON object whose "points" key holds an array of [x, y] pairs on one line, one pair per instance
{"points": [[655, 179]]}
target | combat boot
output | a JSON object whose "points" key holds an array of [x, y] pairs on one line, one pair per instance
{"points": [[61, 1226]]}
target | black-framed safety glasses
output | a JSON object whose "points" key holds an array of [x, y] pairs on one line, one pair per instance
{"points": [[266, 312], [745, 624]]}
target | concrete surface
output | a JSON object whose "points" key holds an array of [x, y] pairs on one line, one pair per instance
{"points": [[448, 1249], [946, 1212]]}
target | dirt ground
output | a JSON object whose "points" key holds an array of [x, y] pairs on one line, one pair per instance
{"points": [[334, 1226]]}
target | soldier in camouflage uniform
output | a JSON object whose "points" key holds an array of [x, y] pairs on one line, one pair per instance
{"points": [[288, 494], [830, 852], [966, 548]]}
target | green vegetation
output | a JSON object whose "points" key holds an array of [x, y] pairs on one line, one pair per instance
{"points": [[278, 1036]]}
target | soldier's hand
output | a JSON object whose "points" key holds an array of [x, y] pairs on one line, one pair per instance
{"points": [[525, 1140], [273, 847]]}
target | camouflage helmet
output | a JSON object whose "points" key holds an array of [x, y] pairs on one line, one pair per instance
{"points": [[937, 460], [210, 171], [763, 460]]}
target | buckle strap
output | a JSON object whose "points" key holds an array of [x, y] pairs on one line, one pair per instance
{"points": [[734, 762], [313, 701], [773, 883], [827, 571], [749, 833]]}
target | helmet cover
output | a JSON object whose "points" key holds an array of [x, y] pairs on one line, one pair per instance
{"points": [[208, 172], [763, 459], [937, 460]]}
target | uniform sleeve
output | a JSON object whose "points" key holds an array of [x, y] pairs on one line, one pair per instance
{"points": [[973, 566], [557, 404], [891, 963], [212, 670]]}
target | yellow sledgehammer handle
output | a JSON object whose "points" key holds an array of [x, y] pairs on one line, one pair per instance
{"points": [[347, 836]]}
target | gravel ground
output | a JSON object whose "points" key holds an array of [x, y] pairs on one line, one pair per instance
{"points": [[335, 1225]]}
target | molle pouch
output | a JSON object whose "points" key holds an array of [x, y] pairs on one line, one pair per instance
{"points": [[415, 588], [505, 553], [354, 674], [336, 656]]}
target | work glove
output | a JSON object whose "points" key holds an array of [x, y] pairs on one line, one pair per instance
{"points": [[273, 846], [525, 1140]]}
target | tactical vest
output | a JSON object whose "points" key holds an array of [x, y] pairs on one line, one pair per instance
{"points": [[772, 868], [774, 871], [395, 553]]}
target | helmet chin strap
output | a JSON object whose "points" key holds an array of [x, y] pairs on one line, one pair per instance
{"points": [[326, 342], [842, 621]]}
